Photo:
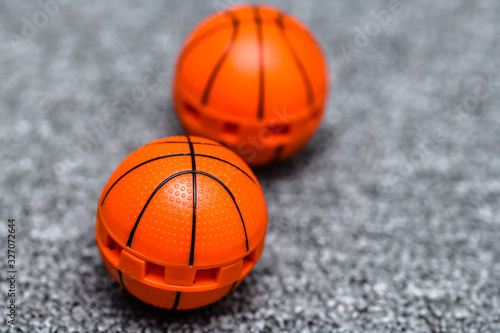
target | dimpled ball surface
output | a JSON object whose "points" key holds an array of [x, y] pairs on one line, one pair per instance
{"points": [[254, 79], [181, 222]]}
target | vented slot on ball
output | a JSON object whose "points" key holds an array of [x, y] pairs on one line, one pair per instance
{"points": [[249, 261], [205, 276], [316, 114], [115, 250], [231, 128], [155, 272], [281, 129], [190, 109]]}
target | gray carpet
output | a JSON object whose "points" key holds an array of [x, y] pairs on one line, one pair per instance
{"points": [[387, 222]]}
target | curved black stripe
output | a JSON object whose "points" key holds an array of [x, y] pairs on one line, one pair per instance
{"points": [[194, 143], [258, 23], [176, 302], [232, 197], [137, 166], [212, 31], [201, 37], [222, 160], [307, 82], [132, 232], [218, 65], [193, 227], [120, 275], [172, 155]]}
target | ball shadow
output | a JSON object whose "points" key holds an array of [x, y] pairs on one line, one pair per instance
{"points": [[293, 167], [133, 309]]}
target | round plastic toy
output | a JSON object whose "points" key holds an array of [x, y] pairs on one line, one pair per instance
{"points": [[254, 79], [181, 222]]}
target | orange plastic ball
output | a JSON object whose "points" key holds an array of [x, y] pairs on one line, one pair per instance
{"points": [[181, 222], [253, 79]]}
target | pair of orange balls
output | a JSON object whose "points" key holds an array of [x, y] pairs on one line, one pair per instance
{"points": [[182, 220]]}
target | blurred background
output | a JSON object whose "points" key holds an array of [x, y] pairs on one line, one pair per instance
{"points": [[387, 221]]}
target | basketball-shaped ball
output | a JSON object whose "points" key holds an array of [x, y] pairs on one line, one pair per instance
{"points": [[181, 222], [254, 79]]}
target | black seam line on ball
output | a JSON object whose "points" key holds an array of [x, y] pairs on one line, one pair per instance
{"points": [[120, 275], [193, 227], [176, 302], [206, 34], [222, 160], [277, 153], [137, 166], [298, 62], [232, 287], [258, 24], [132, 232], [220, 62], [190, 47], [194, 143], [172, 155], [232, 197]]}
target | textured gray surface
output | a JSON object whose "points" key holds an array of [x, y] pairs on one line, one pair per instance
{"points": [[387, 221]]}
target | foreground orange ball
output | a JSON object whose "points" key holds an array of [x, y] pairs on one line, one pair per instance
{"points": [[254, 79], [181, 222]]}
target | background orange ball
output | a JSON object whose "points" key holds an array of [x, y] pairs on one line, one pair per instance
{"points": [[253, 79], [181, 222]]}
